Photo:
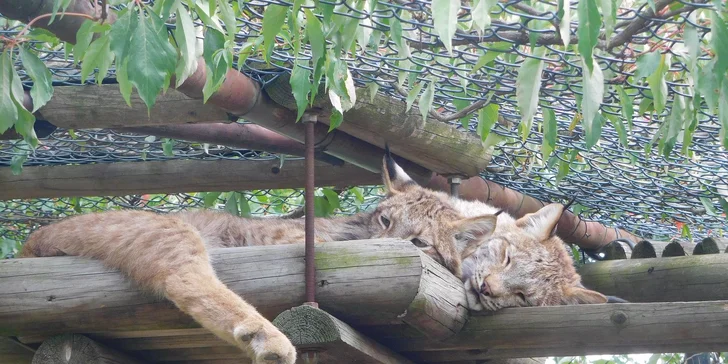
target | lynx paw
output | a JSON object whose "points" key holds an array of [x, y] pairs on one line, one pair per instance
{"points": [[472, 298], [266, 344]]}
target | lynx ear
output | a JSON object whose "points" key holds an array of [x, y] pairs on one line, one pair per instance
{"points": [[542, 222], [474, 230], [394, 177], [580, 296]]}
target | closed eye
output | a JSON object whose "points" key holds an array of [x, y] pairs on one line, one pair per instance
{"points": [[418, 243], [384, 221], [521, 296]]}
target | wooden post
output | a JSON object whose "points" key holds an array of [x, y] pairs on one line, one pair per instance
{"points": [[313, 330], [78, 349], [710, 245], [643, 249], [674, 249], [615, 251], [693, 278]]}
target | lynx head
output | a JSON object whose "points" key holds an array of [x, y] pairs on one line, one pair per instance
{"points": [[524, 264], [426, 218]]}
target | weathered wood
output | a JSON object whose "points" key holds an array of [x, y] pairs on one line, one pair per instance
{"points": [[585, 330], [710, 245], [101, 106], [78, 349], [333, 341], [433, 144], [693, 278], [124, 178], [615, 250], [492, 361], [13, 352], [674, 249], [643, 249], [364, 283]]}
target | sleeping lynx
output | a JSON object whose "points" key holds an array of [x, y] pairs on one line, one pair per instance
{"points": [[522, 263], [167, 254]]}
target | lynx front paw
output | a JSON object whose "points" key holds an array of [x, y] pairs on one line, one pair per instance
{"points": [[472, 298], [266, 344]]}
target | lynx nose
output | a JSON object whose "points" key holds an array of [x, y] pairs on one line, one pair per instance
{"points": [[484, 289]]}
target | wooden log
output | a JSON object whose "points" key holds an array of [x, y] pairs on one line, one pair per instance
{"points": [[585, 330], [643, 249], [438, 146], [14, 352], [125, 178], [363, 282], [693, 278], [674, 249], [78, 349], [101, 106], [332, 340], [710, 245], [616, 250]]}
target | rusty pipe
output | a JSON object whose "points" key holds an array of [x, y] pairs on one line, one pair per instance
{"points": [[309, 121]]}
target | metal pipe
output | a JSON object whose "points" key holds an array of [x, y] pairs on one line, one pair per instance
{"points": [[454, 186], [309, 121]]}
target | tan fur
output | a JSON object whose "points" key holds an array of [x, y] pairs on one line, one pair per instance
{"points": [[167, 254], [521, 262]]}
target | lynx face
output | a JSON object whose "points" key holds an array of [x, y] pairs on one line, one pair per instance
{"points": [[426, 218], [524, 264]]}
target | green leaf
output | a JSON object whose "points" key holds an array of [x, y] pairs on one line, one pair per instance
{"points": [[168, 147], [550, 127], [719, 43], [98, 55], [244, 206], [16, 163], [231, 205], [647, 64], [723, 113], [627, 106], [488, 57], [357, 194], [674, 125], [218, 59], [228, 17], [372, 88], [186, 38], [709, 207], [481, 13], [84, 35], [210, 199], [590, 22], [301, 85], [528, 86], [8, 110], [273, 18], [723, 205], [609, 13], [42, 89], [320, 206], [445, 19], [487, 117], [318, 49], [425, 103], [619, 127], [565, 165], [412, 95], [709, 84], [122, 78], [593, 93], [333, 199], [396, 36], [565, 22], [335, 119], [658, 85], [121, 34], [152, 58], [691, 41], [59, 5]]}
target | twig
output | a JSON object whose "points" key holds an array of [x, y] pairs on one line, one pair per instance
{"points": [[636, 25], [454, 116], [43, 16], [104, 14]]}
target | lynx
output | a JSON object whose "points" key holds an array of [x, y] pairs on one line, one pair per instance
{"points": [[521, 263], [167, 254]]}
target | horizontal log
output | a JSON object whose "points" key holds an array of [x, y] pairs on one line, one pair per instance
{"points": [[693, 278], [585, 330], [13, 352], [101, 106], [125, 178], [78, 349], [364, 283], [330, 340]]}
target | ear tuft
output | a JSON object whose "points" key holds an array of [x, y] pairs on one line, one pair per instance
{"points": [[394, 177], [542, 222], [474, 230], [580, 296]]}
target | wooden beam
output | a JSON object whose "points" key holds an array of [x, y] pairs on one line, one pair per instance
{"points": [[14, 352], [71, 294], [101, 106], [585, 330], [693, 278], [78, 349], [330, 339], [124, 178]]}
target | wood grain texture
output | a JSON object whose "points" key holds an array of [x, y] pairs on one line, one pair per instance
{"points": [[332, 340], [674, 279], [78, 349], [14, 352], [365, 283], [124, 178], [586, 330], [101, 106]]}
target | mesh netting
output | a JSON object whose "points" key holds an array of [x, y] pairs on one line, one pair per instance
{"points": [[616, 184]]}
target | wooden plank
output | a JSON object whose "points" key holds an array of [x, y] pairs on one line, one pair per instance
{"points": [[78, 349], [13, 352], [101, 106], [332, 340], [367, 282], [694, 278], [125, 178], [585, 330], [643, 249], [710, 245]]}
